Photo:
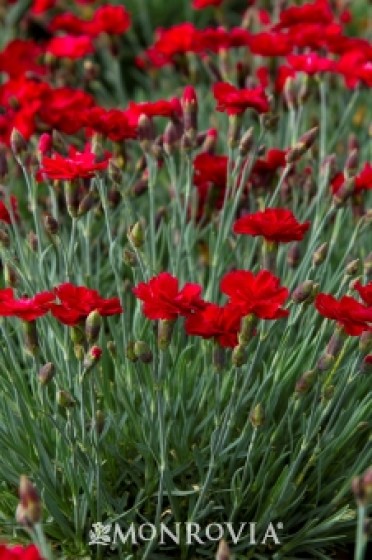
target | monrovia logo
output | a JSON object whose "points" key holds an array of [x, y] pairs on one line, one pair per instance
{"points": [[193, 533]]}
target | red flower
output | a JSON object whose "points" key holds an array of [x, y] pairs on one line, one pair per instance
{"points": [[220, 323], [77, 302], [235, 101], [270, 44], [70, 47], [363, 181], [349, 313], [162, 298], [41, 6], [65, 109], [72, 167], [313, 12], [20, 56], [161, 108], [260, 294], [209, 168], [113, 20], [9, 552], [27, 309], [365, 292], [114, 124], [274, 224], [311, 63], [4, 212], [201, 4]]}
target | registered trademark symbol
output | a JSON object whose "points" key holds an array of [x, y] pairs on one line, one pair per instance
{"points": [[279, 525]]}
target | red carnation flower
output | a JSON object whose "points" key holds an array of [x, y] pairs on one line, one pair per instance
{"points": [[260, 295], [316, 12], [114, 124], [70, 47], [113, 20], [274, 224], [220, 323], [77, 302], [161, 108], [353, 316], [9, 552], [363, 181], [270, 44], [27, 309], [365, 292], [65, 109], [162, 298], [201, 4], [311, 63], [72, 167], [235, 101], [41, 6]]}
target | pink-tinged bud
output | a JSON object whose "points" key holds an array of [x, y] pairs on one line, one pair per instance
{"points": [[45, 144], [362, 488], [114, 197], [51, 225], [208, 144], [91, 358], [146, 133], [257, 416], [344, 192], [29, 508], [46, 373], [294, 255], [325, 362], [223, 551], [353, 143], [302, 146], [305, 292], [87, 203], [351, 163], [190, 112], [305, 383], [336, 343]]}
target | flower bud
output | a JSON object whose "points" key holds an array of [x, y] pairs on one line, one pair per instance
{"points": [[87, 203], [72, 198], [304, 292], [344, 192], [143, 351], [130, 353], [190, 112], [93, 326], [45, 144], [246, 142], [325, 362], [99, 422], [257, 416], [239, 356], [114, 197], [146, 133], [320, 254], [139, 187], [165, 330], [367, 266], [305, 383], [223, 551], [328, 393], [46, 373], [10, 275], [31, 337], [3, 164], [336, 343], [352, 267], [137, 235], [65, 399], [130, 258], [294, 255], [18, 144], [29, 509], [51, 225], [91, 358], [302, 146], [32, 241], [351, 164], [233, 133], [247, 329], [290, 93], [171, 138], [209, 144]]}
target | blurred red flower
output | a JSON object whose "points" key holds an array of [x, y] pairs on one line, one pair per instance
{"points": [[310, 63], [318, 11], [4, 212], [162, 298], [220, 323], [274, 224], [77, 302], [115, 124], [10, 552], [201, 4], [70, 46], [260, 294], [349, 313], [235, 101]]}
